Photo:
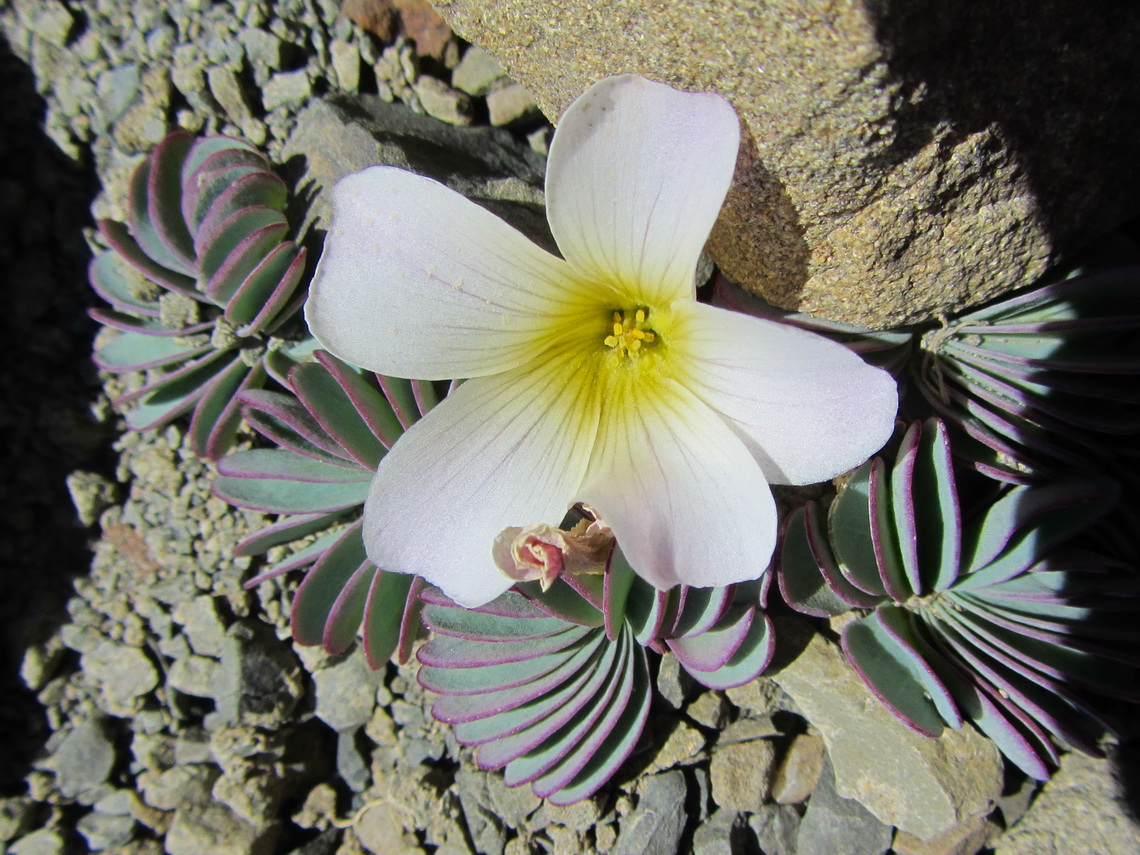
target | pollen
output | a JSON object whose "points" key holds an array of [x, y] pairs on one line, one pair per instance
{"points": [[629, 334]]}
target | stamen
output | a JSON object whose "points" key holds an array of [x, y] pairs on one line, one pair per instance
{"points": [[629, 334]]}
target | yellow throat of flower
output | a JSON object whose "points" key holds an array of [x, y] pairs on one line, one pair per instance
{"points": [[629, 334]]}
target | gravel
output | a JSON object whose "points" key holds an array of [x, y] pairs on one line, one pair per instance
{"points": [[152, 703]]}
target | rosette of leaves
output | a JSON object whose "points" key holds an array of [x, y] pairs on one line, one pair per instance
{"points": [[200, 281], [329, 436], [1042, 382], [554, 687], [1002, 620]]}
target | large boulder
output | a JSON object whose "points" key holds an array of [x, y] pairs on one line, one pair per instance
{"points": [[898, 159]]}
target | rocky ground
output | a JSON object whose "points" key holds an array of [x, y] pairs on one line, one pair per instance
{"points": [[153, 704]]}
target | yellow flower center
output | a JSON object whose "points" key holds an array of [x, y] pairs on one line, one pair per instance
{"points": [[629, 334]]}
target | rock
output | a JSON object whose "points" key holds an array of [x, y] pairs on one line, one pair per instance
{"points": [[227, 89], [477, 73], [16, 816], [512, 105], [378, 831], [351, 765], [40, 662], [834, 824], [922, 785], [442, 102], [346, 692], [674, 684], [656, 824], [681, 744], [375, 16], [259, 681], [776, 828], [741, 774], [1080, 809], [798, 774], [513, 804], [46, 841], [759, 697], [181, 786], [343, 135], [486, 829], [424, 26], [54, 23], [193, 675], [968, 838], [895, 162], [319, 808], [142, 125], [710, 709], [747, 729], [84, 759], [725, 831], [202, 625], [230, 95], [265, 51], [287, 89], [346, 64], [189, 78], [213, 828], [91, 493], [103, 831]]}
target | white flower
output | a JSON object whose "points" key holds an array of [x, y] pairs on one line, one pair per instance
{"points": [[598, 378]]}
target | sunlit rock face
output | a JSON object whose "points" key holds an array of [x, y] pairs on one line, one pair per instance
{"points": [[898, 159]]}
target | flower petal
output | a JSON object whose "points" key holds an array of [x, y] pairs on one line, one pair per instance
{"points": [[637, 174], [506, 450], [684, 498], [417, 281], [807, 408]]}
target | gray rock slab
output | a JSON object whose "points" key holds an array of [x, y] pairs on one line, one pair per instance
{"points": [[45, 841], [338, 136], [346, 64], [799, 771], [724, 832], [91, 493], [287, 89], [54, 22], [193, 675], [776, 828], [202, 624], [922, 785], [674, 684], [259, 681], [104, 830], [969, 838], [741, 774], [181, 786], [1079, 810], [84, 758], [512, 105], [442, 102], [655, 826], [834, 824], [16, 816], [477, 73], [897, 160], [346, 692], [123, 674], [351, 764], [213, 828]]}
